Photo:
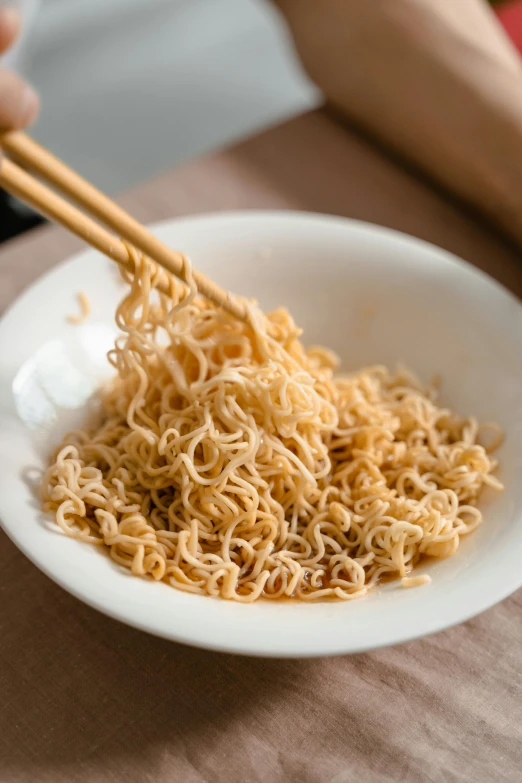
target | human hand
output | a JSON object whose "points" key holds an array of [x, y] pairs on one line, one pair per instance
{"points": [[18, 101]]}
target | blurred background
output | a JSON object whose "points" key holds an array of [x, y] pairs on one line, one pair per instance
{"points": [[131, 87]]}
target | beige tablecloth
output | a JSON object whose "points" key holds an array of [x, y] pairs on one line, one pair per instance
{"points": [[85, 699]]}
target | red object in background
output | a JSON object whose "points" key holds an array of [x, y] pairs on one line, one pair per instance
{"points": [[510, 15]]}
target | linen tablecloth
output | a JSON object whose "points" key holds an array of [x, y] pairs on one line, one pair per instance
{"points": [[84, 699]]}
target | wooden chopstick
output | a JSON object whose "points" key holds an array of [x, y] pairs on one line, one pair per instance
{"points": [[22, 185]]}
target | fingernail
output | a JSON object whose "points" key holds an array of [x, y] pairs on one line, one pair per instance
{"points": [[31, 103]]}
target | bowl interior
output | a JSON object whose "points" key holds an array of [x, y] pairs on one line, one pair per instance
{"points": [[372, 295]]}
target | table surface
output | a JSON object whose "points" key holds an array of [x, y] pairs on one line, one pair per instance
{"points": [[84, 698]]}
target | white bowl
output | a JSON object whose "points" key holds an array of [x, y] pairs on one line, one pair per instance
{"points": [[372, 295]]}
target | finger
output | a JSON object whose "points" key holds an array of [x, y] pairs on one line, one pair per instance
{"points": [[9, 27], [18, 102]]}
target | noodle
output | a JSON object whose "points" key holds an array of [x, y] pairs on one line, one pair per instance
{"points": [[415, 581], [233, 462], [85, 309]]}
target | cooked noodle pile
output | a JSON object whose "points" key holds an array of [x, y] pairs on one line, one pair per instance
{"points": [[232, 461]]}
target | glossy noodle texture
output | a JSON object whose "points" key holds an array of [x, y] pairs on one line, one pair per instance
{"points": [[231, 461]]}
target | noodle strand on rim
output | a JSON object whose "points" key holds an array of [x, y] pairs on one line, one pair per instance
{"points": [[85, 309], [231, 461]]}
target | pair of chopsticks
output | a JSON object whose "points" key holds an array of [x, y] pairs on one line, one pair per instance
{"points": [[16, 181]]}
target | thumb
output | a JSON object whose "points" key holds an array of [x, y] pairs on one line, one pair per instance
{"points": [[18, 101]]}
